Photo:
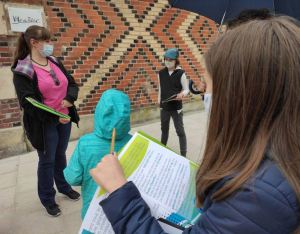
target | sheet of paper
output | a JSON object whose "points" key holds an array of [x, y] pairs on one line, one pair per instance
{"points": [[165, 180]]}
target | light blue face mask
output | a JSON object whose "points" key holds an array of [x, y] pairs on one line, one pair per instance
{"points": [[47, 51], [207, 102]]}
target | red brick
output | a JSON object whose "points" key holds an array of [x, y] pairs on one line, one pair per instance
{"points": [[84, 112], [4, 50], [76, 53], [10, 120], [14, 105], [81, 71], [5, 125], [53, 24], [75, 20], [6, 111], [84, 6]]}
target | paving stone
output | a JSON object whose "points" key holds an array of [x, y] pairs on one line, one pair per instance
{"points": [[30, 157], [26, 169], [37, 222], [6, 220], [9, 166], [28, 202], [8, 180], [7, 197], [27, 183], [72, 222], [8, 159]]}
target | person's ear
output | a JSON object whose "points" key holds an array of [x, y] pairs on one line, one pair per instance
{"points": [[33, 42]]}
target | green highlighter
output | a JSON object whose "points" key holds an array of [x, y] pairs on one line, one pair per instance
{"points": [[46, 108]]}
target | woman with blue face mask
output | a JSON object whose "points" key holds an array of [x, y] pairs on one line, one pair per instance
{"points": [[172, 81], [38, 75]]}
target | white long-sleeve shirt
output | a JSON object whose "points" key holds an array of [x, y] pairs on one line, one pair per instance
{"points": [[184, 85]]}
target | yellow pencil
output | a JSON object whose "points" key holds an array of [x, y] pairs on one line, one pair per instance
{"points": [[112, 146]]}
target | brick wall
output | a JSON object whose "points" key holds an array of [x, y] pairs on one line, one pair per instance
{"points": [[119, 44], [5, 56], [9, 113]]}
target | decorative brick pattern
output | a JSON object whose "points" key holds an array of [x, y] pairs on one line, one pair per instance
{"points": [[118, 44], [9, 113]]}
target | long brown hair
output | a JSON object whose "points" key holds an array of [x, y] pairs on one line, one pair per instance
{"points": [[23, 44], [255, 70]]}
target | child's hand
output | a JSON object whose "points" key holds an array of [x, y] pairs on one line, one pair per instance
{"points": [[108, 174]]}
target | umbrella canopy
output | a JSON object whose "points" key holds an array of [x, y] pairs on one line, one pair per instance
{"points": [[222, 10]]}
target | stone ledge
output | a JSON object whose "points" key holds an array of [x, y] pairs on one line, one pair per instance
{"points": [[12, 140]]}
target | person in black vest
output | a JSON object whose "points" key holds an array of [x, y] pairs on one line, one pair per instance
{"points": [[172, 81]]}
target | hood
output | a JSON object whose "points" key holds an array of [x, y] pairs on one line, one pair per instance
{"points": [[25, 66], [112, 111]]}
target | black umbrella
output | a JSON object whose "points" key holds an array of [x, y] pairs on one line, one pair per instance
{"points": [[222, 10]]}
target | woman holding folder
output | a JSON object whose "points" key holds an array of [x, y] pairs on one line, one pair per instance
{"points": [[42, 77], [249, 178]]}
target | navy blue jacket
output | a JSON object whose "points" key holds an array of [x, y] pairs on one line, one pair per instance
{"points": [[266, 204]]}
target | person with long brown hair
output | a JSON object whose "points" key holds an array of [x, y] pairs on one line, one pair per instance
{"points": [[38, 75], [249, 179]]}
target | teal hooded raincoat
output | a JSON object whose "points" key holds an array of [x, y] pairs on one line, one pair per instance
{"points": [[112, 111]]}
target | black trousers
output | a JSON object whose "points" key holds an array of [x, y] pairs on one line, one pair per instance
{"points": [[165, 117]]}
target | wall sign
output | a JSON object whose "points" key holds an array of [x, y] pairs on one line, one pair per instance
{"points": [[22, 18]]}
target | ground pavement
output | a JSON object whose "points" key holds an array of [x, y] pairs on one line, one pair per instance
{"points": [[20, 208]]}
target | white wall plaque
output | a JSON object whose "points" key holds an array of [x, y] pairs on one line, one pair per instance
{"points": [[22, 18]]}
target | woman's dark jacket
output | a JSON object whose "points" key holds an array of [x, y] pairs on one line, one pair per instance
{"points": [[26, 85], [266, 204]]}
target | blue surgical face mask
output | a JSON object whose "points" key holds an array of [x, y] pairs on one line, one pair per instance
{"points": [[169, 64], [207, 102], [47, 51]]}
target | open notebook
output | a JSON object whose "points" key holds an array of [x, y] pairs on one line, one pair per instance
{"points": [[46, 108], [165, 180]]}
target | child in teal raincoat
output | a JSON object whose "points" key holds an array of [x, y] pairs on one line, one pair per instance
{"points": [[112, 111]]}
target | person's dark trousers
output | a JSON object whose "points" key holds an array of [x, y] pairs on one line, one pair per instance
{"points": [[52, 164], [165, 117]]}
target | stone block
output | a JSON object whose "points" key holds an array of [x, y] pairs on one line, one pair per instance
{"points": [[12, 142], [7, 89], [3, 28]]}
